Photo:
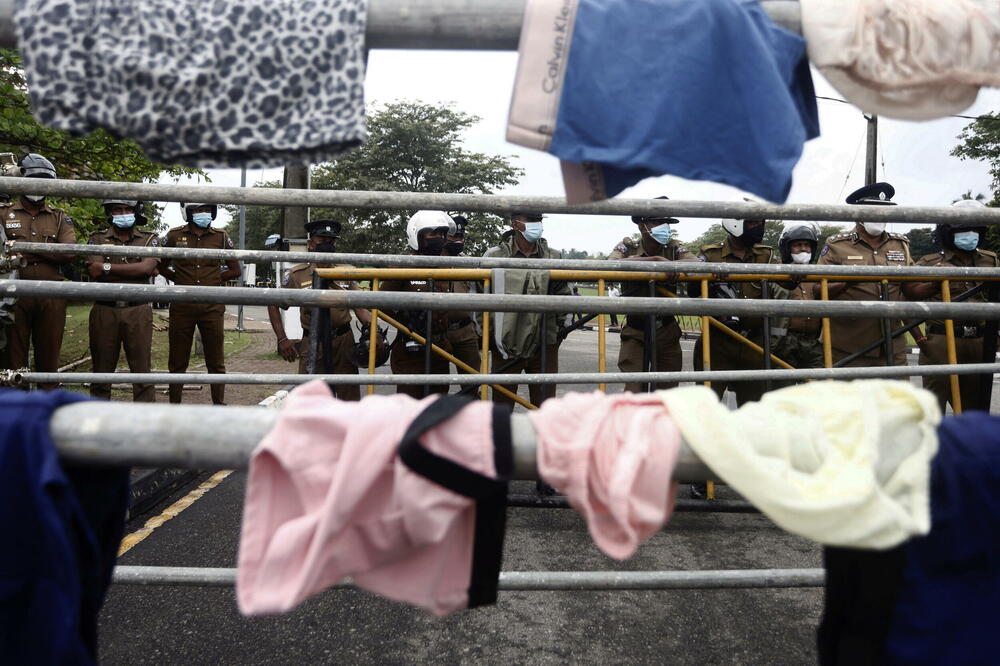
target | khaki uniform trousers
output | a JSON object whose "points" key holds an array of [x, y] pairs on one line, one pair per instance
{"points": [[538, 393], [668, 353], [899, 358], [342, 364], [38, 322], [112, 328], [967, 350], [465, 345], [208, 319], [403, 362], [800, 349], [731, 354]]}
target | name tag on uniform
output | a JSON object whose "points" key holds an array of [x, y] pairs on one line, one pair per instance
{"points": [[343, 285], [855, 256], [895, 255], [13, 225], [306, 285], [418, 282], [182, 242]]}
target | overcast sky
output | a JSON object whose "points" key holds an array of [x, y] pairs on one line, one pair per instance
{"points": [[915, 155]]}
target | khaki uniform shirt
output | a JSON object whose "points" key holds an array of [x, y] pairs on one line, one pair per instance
{"points": [[848, 249], [301, 277], [978, 258], [415, 319], [198, 272], [50, 225], [672, 251], [759, 254], [137, 238], [803, 292]]}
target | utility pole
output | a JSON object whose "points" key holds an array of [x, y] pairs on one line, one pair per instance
{"points": [[293, 219], [871, 152], [243, 245]]}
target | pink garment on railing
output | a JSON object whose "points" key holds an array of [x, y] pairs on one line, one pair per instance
{"points": [[328, 498], [613, 456]]}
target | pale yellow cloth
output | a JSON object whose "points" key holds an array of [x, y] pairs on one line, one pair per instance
{"points": [[841, 463]]}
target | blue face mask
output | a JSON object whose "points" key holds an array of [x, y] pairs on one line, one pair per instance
{"points": [[967, 240], [662, 233], [532, 231], [123, 221], [202, 220]]}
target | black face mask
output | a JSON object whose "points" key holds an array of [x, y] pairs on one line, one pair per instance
{"points": [[431, 246], [753, 236], [454, 247], [325, 246]]}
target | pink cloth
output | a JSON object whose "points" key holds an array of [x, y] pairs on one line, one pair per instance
{"points": [[613, 456], [327, 498]]}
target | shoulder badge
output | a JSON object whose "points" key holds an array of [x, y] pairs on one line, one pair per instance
{"points": [[826, 248], [68, 220]]}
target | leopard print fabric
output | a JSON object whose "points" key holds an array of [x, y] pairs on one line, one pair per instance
{"points": [[203, 83]]}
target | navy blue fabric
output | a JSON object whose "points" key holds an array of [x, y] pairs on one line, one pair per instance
{"points": [[62, 529], [708, 90], [948, 609]]}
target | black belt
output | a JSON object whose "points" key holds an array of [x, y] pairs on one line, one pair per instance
{"points": [[455, 325], [120, 304], [340, 330], [960, 331]]}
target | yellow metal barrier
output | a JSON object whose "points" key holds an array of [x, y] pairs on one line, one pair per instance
{"points": [[372, 339], [824, 292], [484, 364], [602, 361], [949, 337]]}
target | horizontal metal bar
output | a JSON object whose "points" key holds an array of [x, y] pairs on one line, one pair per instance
{"points": [[388, 300], [466, 379], [210, 437], [523, 581], [471, 25], [399, 261], [498, 203], [530, 501]]}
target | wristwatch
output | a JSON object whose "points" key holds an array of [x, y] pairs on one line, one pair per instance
{"points": [[107, 268]]}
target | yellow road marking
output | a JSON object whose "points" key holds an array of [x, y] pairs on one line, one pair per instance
{"points": [[172, 511]]}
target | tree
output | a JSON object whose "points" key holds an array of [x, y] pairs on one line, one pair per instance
{"points": [[921, 242], [981, 141], [97, 156], [414, 147]]}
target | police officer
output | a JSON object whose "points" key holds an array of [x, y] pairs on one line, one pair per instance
{"points": [[207, 318], [516, 346], [656, 244], [742, 246], [117, 324], [38, 321], [426, 234], [867, 245], [800, 346], [323, 235], [960, 246], [463, 332]]}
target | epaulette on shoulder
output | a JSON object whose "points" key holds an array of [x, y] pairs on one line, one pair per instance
{"points": [[761, 246], [988, 253], [713, 246], [177, 229], [299, 267], [901, 237], [839, 237], [932, 255]]}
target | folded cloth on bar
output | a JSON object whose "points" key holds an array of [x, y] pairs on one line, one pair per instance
{"points": [[612, 456], [909, 59], [64, 525], [621, 90], [841, 463], [230, 83], [328, 498]]}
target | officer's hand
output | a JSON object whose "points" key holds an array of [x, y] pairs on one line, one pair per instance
{"points": [[288, 350]]}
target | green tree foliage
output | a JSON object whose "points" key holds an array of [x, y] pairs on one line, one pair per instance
{"points": [[921, 242], [980, 140], [97, 156], [772, 234], [574, 253], [414, 147]]}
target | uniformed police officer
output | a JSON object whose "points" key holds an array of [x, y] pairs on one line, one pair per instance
{"points": [[38, 321], [207, 318], [960, 246], [426, 234], [742, 246], [519, 333], [800, 346], [463, 333], [656, 244], [323, 235], [867, 245], [117, 324]]}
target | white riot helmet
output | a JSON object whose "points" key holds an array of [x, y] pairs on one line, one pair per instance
{"points": [[968, 203], [423, 220], [736, 227], [187, 208]]}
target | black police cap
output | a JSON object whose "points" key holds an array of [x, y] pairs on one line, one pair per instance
{"points": [[877, 194], [530, 217], [329, 228], [639, 219], [460, 223]]}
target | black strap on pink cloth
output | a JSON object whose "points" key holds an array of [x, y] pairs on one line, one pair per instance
{"points": [[490, 494]]}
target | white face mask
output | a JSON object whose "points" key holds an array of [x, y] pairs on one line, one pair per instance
{"points": [[874, 228], [37, 198], [801, 257]]}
